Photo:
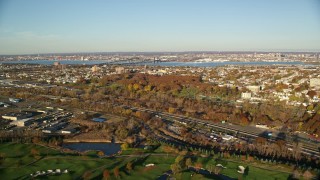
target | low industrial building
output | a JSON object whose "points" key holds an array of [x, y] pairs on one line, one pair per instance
{"points": [[70, 129], [2, 104], [54, 128], [22, 122], [50, 130], [15, 100], [17, 116], [254, 89]]}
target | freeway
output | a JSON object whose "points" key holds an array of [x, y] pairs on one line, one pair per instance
{"points": [[308, 147]]}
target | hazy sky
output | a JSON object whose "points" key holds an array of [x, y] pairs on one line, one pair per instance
{"points": [[39, 26]]}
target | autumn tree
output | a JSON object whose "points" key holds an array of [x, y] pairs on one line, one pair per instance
{"points": [[210, 168], [34, 152], [136, 86], [124, 146], [171, 110], [178, 159], [198, 166], [122, 132], [106, 174], [36, 140], [244, 121], [307, 175], [100, 153], [176, 168], [145, 116], [311, 94], [116, 172], [86, 175], [217, 170], [129, 166], [148, 88], [188, 162]]}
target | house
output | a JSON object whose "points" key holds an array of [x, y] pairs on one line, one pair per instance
{"points": [[246, 95], [120, 70]]}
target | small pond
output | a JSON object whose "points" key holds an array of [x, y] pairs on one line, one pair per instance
{"points": [[107, 148]]}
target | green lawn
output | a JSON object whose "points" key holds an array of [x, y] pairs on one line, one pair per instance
{"points": [[18, 164], [17, 155], [133, 151], [254, 173], [162, 164], [15, 165], [231, 171]]}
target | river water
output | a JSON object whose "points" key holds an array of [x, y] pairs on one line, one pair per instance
{"points": [[214, 64], [191, 64], [50, 62]]}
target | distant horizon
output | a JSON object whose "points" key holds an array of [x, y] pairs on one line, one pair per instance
{"points": [[163, 52]]}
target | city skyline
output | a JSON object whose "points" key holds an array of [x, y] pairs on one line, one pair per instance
{"points": [[37, 27]]}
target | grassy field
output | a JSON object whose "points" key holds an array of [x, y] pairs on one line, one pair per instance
{"points": [[19, 164], [254, 172], [162, 164]]}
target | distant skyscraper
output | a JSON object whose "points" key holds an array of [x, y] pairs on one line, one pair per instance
{"points": [[145, 68]]}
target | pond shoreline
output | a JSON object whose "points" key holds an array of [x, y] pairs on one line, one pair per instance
{"points": [[90, 141], [108, 148]]}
